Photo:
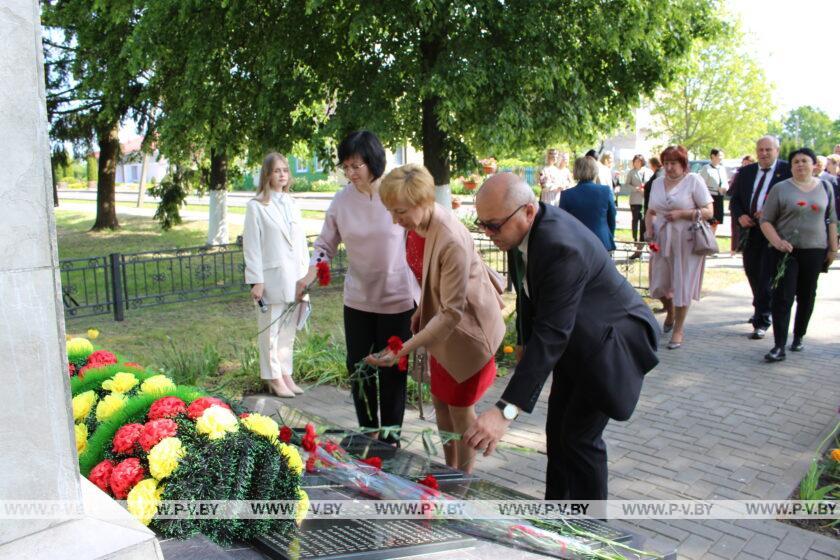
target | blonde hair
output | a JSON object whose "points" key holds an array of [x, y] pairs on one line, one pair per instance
{"points": [[264, 188], [605, 157], [411, 183]]}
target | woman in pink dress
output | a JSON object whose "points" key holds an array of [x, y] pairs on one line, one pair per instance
{"points": [[677, 199]]}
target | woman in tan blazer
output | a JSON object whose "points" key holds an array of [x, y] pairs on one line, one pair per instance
{"points": [[459, 317], [276, 257]]}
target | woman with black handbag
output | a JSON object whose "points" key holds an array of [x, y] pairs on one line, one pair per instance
{"points": [[800, 222]]}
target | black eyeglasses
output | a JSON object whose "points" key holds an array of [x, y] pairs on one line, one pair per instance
{"points": [[496, 227]]}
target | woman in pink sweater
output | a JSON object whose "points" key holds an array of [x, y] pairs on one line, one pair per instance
{"points": [[380, 292]]}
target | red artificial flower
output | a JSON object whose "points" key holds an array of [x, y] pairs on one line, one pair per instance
{"points": [[310, 429], [323, 271], [330, 447], [310, 464], [654, 247], [102, 357], [429, 481], [71, 369], [167, 407], [198, 406], [156, 430], [133, 364], [285, 434], [126, 437], [100, 475], [308, 442], [802, 203], [125, 476], [815, 208], [245, 415], [375, 462]]}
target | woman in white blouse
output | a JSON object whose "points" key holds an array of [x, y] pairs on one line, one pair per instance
{"points": [[276, 256]]}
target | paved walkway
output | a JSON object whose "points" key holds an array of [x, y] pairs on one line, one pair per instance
{"points": [[714, 422]]}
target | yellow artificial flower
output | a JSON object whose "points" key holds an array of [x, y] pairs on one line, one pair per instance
{"points": [[302, 507], [164, 457], [157, 384], [92, 333], [262, 425], [109, 405], [122, 382], [81, 438], [143, 500], [292, 456], [835, 454], [82, 403], [78, 349], [215, 422]]}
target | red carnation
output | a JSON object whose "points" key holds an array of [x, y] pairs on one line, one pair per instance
{"points": [[402, 364], [375, 462], [198, 406], [310, 429], [102, 357], [100, 475], [323, 271], [802, 203], [308, 442], [310, 464], [654, 247], [167, 407], [430, 481], [395, 344], [125, 476], [330, 447], [245, 415], [71, 369], [815, 208], [126, 437], [285, 434], [155, 431]]}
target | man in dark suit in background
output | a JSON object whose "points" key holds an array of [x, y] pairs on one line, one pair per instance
{"points": [[750, 188], [576, 316]]}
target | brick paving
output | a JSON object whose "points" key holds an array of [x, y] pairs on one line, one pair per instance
{"points": [[713, 422]]}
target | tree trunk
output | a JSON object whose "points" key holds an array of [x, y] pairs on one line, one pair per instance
{"points": [[141, 189], [435, 155], [109, 155], [217, 231]]}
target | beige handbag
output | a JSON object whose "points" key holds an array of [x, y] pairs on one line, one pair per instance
{"points": [[703, 239]]}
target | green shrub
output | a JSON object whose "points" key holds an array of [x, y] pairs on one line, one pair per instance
{"points": [[326, 185], [186, 365], [302, 184]]}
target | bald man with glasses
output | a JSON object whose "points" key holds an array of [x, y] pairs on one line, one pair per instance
{"points": [[578, 319]]}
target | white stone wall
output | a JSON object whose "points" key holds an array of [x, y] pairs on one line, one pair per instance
{"points": [[37, 449]]}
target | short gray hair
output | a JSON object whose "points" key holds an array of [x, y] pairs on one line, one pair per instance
{"points": [[771, 138], [519, 193], [585, 170]]}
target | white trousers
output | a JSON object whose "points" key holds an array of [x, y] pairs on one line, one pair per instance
{"points": [[276, 343]]}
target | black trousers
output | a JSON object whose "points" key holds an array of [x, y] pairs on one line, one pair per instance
{"points": [[379, 398], [637, 222], [800, 281], [757, 267], [577, 454]]}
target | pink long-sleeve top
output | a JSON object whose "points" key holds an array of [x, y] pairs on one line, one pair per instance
{"points": [[378, 278]]}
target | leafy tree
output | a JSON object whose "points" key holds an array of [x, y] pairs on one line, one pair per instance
{"points": [[720, 99], [90, 86], [460, 78], [810, 127]]}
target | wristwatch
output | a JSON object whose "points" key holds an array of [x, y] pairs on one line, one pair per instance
{"points": [[509, 411]]}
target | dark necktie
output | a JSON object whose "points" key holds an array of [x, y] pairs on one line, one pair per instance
{"points": [[519, 268], [758, 187]]}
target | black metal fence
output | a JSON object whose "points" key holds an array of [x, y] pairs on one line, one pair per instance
{"points": [[122, 282]]}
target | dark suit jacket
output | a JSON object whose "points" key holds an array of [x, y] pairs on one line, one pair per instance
{"points": [[581, 318], [594, 206], [648, 186], [742, 187]]}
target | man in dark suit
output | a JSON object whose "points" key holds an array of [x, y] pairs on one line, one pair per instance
{"points": [[750, 188], [576, 317]]}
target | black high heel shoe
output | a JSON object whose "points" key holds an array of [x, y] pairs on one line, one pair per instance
{"points": [[777, 354]]}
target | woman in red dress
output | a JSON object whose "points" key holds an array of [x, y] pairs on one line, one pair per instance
{"points": [[459, 316]]}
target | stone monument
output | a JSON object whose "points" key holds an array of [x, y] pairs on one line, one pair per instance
{"points": [[38, 458]]}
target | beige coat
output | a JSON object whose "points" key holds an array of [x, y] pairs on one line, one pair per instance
{"points": [[460, 310]]}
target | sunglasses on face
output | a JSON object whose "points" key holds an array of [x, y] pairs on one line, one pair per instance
{"points": [[496, 227]]}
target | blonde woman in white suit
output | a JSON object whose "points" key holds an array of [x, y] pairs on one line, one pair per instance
{"points": [[276, 257]]}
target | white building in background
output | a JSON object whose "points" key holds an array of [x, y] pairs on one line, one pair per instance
{"points": [[639, 138], [130, 165]]}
